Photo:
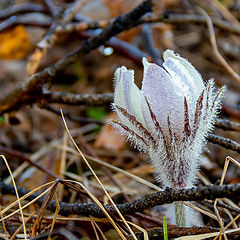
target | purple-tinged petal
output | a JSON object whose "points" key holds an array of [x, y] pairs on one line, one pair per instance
{"points": [[193, 78], [163, 95]]}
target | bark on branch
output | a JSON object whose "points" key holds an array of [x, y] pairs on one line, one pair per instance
{"points": [[159, 198]]}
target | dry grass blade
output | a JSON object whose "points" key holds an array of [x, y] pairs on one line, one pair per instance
{"points": [[145, 234], [201, 210], [136, 178], [98, 203], [220, 221], [62, 166], [225, 12], [3, 224], [224, 63], [95, 227], [98, 180], [18, 199], [19, 229], [227, 160], [27, 195], [26, 205], [55, 215], [205, 235], [78, 219], [230, 223], [44, 206]]}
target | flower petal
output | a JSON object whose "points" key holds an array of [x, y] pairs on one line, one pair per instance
{"points": [[163, 95], [183, 72], [127, 94]]}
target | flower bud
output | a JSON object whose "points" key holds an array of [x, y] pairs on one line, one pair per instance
{"points": [[169, 118]]}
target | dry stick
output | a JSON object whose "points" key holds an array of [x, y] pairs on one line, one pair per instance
{"points": [[224, 142], [107, 98], [71, 11], [71, 183], [22, 8], [26, 19], [77, 99], [163, 17], [187, 18], [53, 8], [210, 192], [149, 43], [234, 74], [227, 125], [31, 87], [175, 232], [46, 42]]}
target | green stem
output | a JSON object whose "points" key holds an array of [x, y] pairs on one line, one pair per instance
{"points": [[180, 214]]}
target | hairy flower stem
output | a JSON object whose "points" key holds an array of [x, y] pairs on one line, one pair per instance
{"points": [[180, 214]]}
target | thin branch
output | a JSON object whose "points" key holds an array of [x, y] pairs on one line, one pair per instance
{"points": [[107, 98], [227, 125], [167, 196], [28, 19], [175, 232], [224, 142], [24, 92], [186, 18], [149, 43], [71, 11], [121, 47], [22, 8], [163, 17], [77, 99], [53, 8]]}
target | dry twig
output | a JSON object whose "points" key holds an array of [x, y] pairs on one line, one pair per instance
{"points": [[159, 198]]}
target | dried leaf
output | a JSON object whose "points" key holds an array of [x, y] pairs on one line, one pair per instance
{"points": [[14, 43], [108, 137]]}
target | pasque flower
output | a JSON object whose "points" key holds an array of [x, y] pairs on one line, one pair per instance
{"points": [[169, 118]]}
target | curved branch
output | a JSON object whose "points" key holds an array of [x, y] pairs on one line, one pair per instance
{"points": [[224, 142], [159, 198]]}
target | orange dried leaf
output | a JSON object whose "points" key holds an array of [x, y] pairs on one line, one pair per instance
{"points": [[14, 43], [109, 138]]}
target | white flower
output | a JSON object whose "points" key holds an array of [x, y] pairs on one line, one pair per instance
{"points": [[169, 118]]}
